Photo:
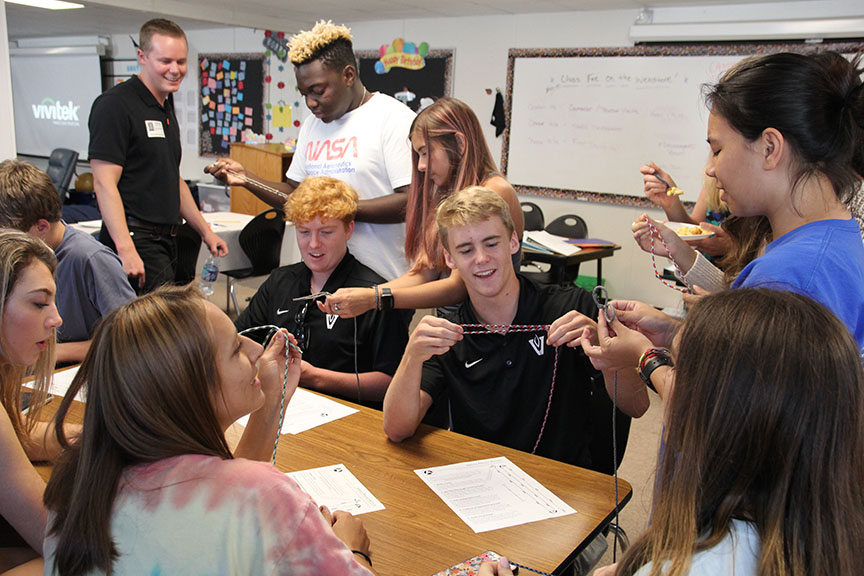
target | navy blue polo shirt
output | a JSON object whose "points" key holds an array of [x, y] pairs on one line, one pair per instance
{"points": [[129, 127], [498, 385]]}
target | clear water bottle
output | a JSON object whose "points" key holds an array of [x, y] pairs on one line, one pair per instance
{"points": [[209, 273]]}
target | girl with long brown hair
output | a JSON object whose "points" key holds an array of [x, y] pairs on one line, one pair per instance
{"points": [[28, 321], [449, 154], [764, 442], [152, 486]]}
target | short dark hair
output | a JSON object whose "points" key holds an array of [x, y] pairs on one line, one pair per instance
{"points": [[27, 195], [158, 26]]}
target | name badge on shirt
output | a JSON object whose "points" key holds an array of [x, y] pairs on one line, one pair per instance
{"points": [[154, 129]]}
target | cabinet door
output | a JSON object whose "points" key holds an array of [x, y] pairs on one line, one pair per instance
{"points": [[265, 161]]}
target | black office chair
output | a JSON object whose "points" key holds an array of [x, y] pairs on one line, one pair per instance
{"points": [[569, 226], [261, 241], [61, 168], [533, 216]]}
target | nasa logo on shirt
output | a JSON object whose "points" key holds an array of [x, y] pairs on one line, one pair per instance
{"points": [[538, 344]]}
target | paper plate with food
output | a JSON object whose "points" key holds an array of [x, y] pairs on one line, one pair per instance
{"points": [[688, 232]]}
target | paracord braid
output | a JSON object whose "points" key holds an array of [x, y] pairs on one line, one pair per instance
{"points": [[502, 329], [652, 233]]}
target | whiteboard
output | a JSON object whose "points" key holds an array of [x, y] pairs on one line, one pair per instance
{"points": [[587, 122]]}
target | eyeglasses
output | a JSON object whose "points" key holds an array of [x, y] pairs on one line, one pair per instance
{"points": [[301, 331]]}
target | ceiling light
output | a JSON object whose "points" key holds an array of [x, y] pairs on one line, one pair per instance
{"points": [[47, 4]]}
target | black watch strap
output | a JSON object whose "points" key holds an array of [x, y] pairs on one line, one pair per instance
{"points": [[387, 301], [659, 358]]}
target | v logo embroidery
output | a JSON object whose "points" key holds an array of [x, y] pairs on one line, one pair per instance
{"points": [[538, 344], [331, 320]]}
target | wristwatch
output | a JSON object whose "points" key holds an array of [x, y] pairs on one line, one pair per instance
{"points": [[387, 301], [652, 359]]}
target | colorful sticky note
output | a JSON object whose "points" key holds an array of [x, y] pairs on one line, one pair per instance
{"points": [[205, 100], [248, 121], [211, 84], [239, 96], [233, 74], [221, 108], [235, 110], [233, 131], [243, 65], [247, 110], [212, 105], [240, 85], [220, 75], [226, 64]]}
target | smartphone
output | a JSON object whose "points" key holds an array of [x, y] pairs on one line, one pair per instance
{"points": [[26, 397]]}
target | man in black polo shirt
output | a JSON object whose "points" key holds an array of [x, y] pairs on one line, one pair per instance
{"points": [[500, 384], [322, 210], [135, 156]]}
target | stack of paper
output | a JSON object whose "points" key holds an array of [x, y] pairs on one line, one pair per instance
{"points": [[542, 241]]}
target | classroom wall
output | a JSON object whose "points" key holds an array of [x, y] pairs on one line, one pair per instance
{"points": [[480, 63], [7, 120]]}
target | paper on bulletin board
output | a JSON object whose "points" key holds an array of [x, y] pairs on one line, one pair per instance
{"points": [[281, 116]]}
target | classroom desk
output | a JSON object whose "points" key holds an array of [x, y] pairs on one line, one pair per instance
{"points": [[418, 534], [565, 269], [227, 225]]}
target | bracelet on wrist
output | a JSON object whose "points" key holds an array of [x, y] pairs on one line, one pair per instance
{"points": [[364, 555], [651, 360]]}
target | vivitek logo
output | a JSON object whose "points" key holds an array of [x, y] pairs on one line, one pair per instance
{"points": [[51, 110]]}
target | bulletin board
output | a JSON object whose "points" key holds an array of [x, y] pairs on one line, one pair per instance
{"points": [[432, 81], [581, 122], [232, 100]]}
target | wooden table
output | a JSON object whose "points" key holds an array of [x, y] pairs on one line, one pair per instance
{"points": [[565, 269], [418, 534]]}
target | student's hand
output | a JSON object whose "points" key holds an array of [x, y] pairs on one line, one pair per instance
{"points": [[698, 293], [217, 246], [655, 190], [349, 529], [348, 302], [610, 570], [500, 568], [568, 330], [271, 367], [432, 336], [717, 245], [220, 168], [657, 326], [133, 266], [619, 347], [678, 250]]}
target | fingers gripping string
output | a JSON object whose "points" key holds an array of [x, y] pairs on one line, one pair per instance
{"points": [[288, 346], [502, 329], [652, 234]]}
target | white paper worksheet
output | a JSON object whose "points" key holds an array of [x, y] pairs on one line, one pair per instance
{"points": [[61, 381], [337, 488], [307, 410], [492, 494]]}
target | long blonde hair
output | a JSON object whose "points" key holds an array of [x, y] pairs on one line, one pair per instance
{"points": [[19, 250]]}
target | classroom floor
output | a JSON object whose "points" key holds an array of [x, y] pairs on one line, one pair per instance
{"points": [[637, 468]]}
